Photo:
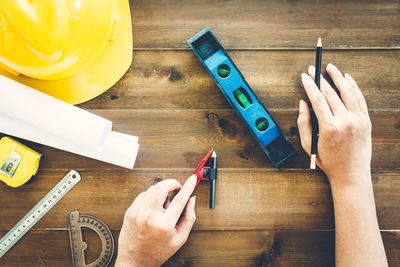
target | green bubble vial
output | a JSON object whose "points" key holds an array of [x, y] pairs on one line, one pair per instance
{"points": [[223, 71], [261, 124], [241, 97]]}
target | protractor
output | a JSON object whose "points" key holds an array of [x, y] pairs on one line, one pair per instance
{"points": [[78, 246]]}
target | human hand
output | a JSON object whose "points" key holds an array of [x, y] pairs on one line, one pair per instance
{"points": [[344, 144], [153, 229]]}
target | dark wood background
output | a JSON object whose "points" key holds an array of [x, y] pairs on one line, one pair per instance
{"points": [[263, 216]]}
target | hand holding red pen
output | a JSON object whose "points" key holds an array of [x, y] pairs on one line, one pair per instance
{"points": [[153, 228]]}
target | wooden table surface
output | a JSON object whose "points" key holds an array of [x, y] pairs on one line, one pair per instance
{"points": [[263, 216]]}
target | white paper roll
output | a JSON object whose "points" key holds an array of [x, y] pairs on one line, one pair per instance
{"points": [[38, 110], [29, 114]]}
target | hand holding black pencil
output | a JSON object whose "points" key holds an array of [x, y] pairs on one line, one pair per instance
{"points": [[314, 121]]}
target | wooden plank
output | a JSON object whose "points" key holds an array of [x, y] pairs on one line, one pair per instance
{"points": [[167, 99], [176, 79], [179, 139], [246, 199], [205, 248], [268, 248], [268, 25]]}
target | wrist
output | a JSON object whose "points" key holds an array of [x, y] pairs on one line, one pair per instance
{"points": [[352, 187], [125, 262], [352, 179], [129, 262], [134, 261]]}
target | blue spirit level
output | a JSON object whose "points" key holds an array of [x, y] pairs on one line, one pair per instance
{"points": [[239, 94]]}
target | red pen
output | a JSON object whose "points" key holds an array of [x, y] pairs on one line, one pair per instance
{"points": [[208, 173]]}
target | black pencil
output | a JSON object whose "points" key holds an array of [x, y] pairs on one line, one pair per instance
{"points": [[213, 179], [314, 121]]}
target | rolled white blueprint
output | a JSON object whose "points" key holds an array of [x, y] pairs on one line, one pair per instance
{"points": [[29, 114]]}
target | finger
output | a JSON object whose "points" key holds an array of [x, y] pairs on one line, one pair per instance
{"points": [[138, 199], [136, 204], [177, 205], [346, 90], [317, 99], [360, 97], [304, 125], [186, 223], [158, 193], [334, 101], [167, 202]]}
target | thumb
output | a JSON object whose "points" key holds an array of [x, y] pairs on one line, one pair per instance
{"points": [[304, 125], [185, 224]]}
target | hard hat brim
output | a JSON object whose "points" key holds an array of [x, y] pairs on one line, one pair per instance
{"points": [[97, 77]]}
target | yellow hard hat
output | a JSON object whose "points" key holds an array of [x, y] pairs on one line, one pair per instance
{"points": [[73, 50]]}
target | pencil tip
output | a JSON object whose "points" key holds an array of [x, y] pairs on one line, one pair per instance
{"points": [[214, 155], [319, 43]]}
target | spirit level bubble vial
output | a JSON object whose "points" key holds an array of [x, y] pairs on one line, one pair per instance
{"points": [[242, 98]]}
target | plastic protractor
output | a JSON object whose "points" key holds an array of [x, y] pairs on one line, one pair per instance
{"points": [[78, 247]]}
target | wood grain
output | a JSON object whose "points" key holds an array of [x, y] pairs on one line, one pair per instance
{"points": [[246, 199], [267, 24], [179, 139], [176, 79], [206, 248], [263, 216]]}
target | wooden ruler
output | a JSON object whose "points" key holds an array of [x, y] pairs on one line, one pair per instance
{"points": [[78, 247], [38, 211]]}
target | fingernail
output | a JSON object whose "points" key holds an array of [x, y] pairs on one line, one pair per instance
{"points": [[329, 66], [193, 179], [304, 75], [311, 68], [301, 105], [348, 76]]}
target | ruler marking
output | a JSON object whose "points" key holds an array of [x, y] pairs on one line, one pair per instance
{"points": [[40, 209], [75, 224]]}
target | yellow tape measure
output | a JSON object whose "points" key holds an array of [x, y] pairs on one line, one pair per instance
{"points": [[18, 163]]}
